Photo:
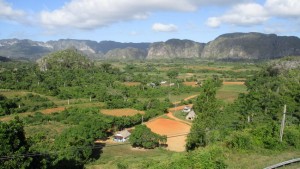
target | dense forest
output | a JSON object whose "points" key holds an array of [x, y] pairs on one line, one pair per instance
{"points": [[251, 123]]}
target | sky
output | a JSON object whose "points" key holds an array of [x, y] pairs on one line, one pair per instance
{"points": [[145, 20]]}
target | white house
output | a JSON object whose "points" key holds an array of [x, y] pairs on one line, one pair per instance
{"points": [[122, 136], [186, 109]]}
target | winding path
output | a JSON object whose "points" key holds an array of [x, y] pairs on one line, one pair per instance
{"points": [[172, 110]]}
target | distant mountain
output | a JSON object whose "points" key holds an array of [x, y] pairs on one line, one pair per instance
{"points": [[33, 50], [251, 46], [4, 59], [14, 48], [175, 48], [126, 53], [106, 46], [227, 46]]}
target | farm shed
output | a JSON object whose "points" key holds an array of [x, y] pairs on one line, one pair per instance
{"points": [[122, 136], [191, 115]]}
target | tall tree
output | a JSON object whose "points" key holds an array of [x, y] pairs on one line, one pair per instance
{"points": [[206, 107], [142, 136], [13, 145]]}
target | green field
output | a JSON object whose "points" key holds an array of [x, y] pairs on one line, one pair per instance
{"points": [[229, 93], [261, 160], [124, 155], [179, 114], [118, 155]]}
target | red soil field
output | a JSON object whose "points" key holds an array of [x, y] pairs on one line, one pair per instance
{"points": [[121, 112], [194, 84], [233, 83], [175, 131], [52, 110]]}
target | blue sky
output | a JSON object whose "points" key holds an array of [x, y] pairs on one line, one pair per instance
{"points": [[145, 20]]}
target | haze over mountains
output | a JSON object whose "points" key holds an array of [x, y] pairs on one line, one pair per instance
{"points": [[226, 46]]}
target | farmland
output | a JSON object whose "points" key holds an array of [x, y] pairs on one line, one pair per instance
{"points": [[121, 112], [174, 130], [74, 107]]}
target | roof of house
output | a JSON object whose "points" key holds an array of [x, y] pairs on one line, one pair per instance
{"points": [[191, 114], [123, 133]]}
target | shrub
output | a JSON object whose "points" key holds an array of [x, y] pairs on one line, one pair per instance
{"points": [[292, 136], [240, 140], [122, 165], [142, 136]]}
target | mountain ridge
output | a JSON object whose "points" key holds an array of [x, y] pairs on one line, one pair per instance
{"points": [[253, 45]]}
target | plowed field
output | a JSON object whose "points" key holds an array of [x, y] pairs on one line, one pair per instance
{"points": [[233, 83], [121, 112], [176, 132]]}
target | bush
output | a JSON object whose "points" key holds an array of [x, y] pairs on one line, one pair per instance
{"points": [[122, 165], [292, 136], [209, 157], [142, 136], [267, 136], [240, 140]]}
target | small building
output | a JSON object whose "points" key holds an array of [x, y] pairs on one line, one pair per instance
{"points": [[122, 136], [191, 115], [186, 109]]}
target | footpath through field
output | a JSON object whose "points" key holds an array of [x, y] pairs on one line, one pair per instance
{"points": [[186, 99], [172, 110]]}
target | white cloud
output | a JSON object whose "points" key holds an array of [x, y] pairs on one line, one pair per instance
{"points": [[8, 13], [248, 14], [92, 14], [159, 27], [213, 22], [283, 8]]}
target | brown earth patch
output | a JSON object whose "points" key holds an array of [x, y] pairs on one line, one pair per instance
{"points": [[121, 112], [233, 83], [45, 111], [131, 83], [176, 132], [193, 84], [52, 110]]}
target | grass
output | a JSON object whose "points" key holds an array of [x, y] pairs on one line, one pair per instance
{"points": [[140, 158], [261, 160], [229, 93], [134, 158], [233, 87], [50, 129], [179, 114], [175, 98]]}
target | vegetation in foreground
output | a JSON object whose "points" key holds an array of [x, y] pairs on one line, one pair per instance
{"points": [[222, 131]]}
